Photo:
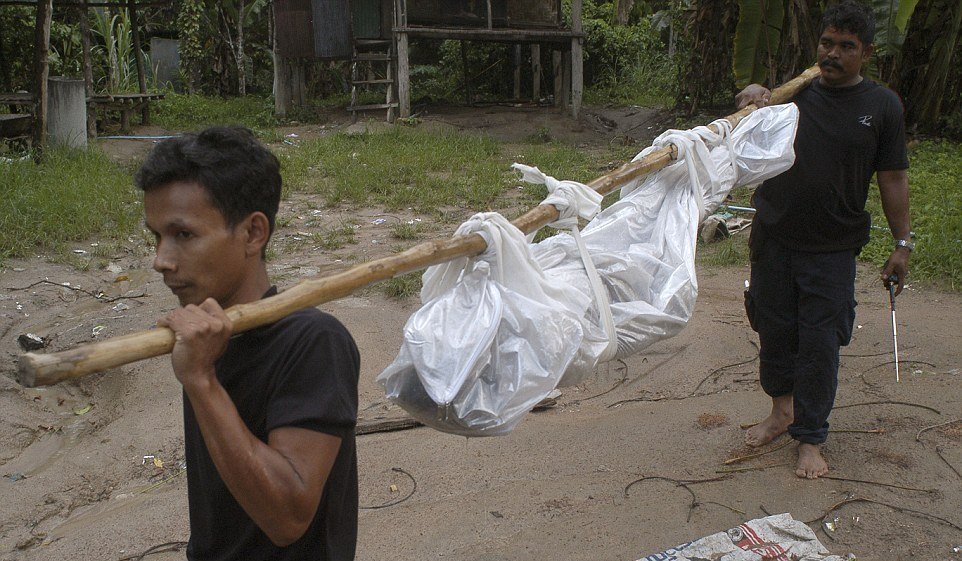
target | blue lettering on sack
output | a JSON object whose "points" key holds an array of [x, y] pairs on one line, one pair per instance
{"points": [[668, 554]]}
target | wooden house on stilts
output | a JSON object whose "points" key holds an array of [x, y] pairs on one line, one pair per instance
{"points": [[375, 35]]}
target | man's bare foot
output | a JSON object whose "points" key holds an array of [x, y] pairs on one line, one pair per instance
{"points": [[782, 415], [811, 464]]}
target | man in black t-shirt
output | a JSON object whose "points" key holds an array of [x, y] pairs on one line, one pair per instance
{"points": [[811, 224], [269, 414]]}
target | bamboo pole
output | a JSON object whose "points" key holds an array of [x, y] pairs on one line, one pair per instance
{"points": [[46, 369]]}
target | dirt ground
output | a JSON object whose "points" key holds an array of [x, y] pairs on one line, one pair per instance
{"points": [[93, 469]]}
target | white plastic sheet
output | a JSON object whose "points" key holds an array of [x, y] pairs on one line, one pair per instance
{"points": [[498, 332]]}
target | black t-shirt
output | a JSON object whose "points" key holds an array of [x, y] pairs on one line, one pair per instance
{"points": [[301, 371], [844, 136]]}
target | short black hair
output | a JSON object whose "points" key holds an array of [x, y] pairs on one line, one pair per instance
{"points": [[853, 17], [240, 175]]}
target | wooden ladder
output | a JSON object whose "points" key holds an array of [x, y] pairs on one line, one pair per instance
{"points": [[373, 66]]}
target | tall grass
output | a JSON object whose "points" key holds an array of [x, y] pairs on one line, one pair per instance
{"points": [[72, 196]]}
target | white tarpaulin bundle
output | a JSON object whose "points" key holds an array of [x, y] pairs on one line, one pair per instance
{"points": [[773, 538], [501, 330]]}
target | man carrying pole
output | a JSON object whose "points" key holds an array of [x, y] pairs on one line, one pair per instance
{"points": [[269, 414], [811, 224]]}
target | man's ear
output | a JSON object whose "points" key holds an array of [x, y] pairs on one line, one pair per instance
{"points": [[867, 52], [258, 230]]}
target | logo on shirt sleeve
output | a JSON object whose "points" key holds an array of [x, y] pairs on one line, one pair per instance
{"points": [[865, 120]]}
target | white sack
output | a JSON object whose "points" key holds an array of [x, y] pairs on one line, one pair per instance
{"points": [[500, 331], [493, 338]]}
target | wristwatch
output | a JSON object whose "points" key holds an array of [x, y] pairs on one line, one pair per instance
{"points": [[907, 244]]}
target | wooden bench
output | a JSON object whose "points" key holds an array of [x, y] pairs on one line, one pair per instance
{"points": [[16, 100], [126, 104], [16, 128]]}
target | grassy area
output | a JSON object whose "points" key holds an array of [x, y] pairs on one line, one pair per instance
{"points": [[192, 112], [425, 171], [936, 207], [76, 196], [72, 197]]}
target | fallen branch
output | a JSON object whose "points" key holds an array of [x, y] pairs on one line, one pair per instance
{"points": [[385, 425], [938, 450], [403, 422], [758, 454], [684, 484], [932, 409], [883, 353], [612, 388], [718, 370], [96, 295], [836, 506], [918, 435], [900, 362], [750, 468], [401, 500], [159, 548], [838, 478], [860, 431]]}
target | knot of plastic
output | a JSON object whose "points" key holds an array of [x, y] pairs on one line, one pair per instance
{"points": [[693, 151], [725, 133], [572, 199], [504, 242]]}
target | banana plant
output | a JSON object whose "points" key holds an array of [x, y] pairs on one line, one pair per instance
{"points": [[757, 37], [114, 52], [891, 20]]}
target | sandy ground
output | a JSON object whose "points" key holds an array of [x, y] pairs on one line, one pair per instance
{"points": [[92, 469]]}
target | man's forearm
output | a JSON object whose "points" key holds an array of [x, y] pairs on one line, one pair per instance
{"points": [[266, 484], [894, 194]]}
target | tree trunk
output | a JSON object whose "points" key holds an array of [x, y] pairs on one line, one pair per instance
{"points": [[239, 52], [6, 85], [88, 69], [41, 71], [623, 13]]}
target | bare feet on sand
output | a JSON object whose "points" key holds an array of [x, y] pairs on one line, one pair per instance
{"points": [[774, 425], [811, 464]]}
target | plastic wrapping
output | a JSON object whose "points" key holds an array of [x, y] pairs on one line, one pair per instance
{"points": [[773, 538], [500, 331]]}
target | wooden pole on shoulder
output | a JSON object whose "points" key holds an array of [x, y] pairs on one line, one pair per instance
{"points": [[45, 369]]}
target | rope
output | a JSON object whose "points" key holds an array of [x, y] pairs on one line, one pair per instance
{"points": [[574, 200]]}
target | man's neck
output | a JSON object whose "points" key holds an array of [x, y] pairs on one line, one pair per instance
{"points": [[855, 81]]}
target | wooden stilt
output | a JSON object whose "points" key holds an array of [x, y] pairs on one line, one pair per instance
{"points": [[517, 72], [577, 61], [41, 51], [403, 75], [88, 70], [535, 72], [556, 69]]}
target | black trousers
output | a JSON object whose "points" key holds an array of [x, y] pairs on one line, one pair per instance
{"points": [[803, 307]]}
